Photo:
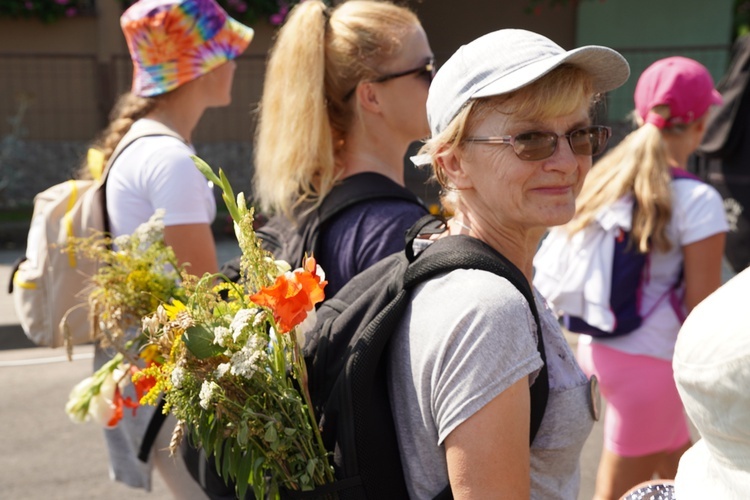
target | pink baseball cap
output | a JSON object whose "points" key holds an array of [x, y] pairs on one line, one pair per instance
{"points": [[682, 84]]}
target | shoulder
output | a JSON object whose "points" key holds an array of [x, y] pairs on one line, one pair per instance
{"points": [[374, 196], [474, 292], [381, 215], [698, 210], [690, 191], [389, 209], [156, 149]]}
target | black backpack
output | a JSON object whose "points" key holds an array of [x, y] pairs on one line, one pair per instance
{"points": [[290, 242], [723, 158], [345, 356]]}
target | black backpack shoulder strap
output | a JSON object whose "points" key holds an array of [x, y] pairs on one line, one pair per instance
{"points": [[362, 187], [465, 252]]}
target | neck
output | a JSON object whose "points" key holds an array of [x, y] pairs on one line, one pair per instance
{"points": [[357, 162], [372, 148], [681, 146], [178, 112], [518, 247], [678, 160]]}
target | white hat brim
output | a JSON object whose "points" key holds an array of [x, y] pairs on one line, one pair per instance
{"points": [[608, 68]]}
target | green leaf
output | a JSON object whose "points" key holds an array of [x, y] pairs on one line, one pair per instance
{"points": [[200, 341], [243, 474], [226, 467], [231, 452], [271, 436], [242, 435]]}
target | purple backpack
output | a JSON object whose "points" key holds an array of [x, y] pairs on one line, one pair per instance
{"points": [[630, 272]]}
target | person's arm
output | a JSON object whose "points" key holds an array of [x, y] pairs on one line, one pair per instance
{"points": [[703, 262], [488, 454], [193, 244]]}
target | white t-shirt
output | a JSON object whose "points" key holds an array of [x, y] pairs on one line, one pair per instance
{"points": [[697, 213], [465, 338], [157, 172]]}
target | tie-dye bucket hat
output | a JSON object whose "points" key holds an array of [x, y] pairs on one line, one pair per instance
{"points": [[172, 42]]}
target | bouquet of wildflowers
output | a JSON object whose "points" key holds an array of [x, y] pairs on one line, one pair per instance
{"points": [[132, 281], [226, 359]]}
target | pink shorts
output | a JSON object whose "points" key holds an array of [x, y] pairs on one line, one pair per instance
{"points": [[644, 413]]}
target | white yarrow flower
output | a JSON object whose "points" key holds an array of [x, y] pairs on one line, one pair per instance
{"points": [[241, 320], [259, 318], [151, 231], [221, 370], [121, 241], [245, 362], [178, 376], [221, 335], [209, 393]]}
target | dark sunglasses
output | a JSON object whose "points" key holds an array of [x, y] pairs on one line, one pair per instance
{"points": [[426, 72], [534, 146]]}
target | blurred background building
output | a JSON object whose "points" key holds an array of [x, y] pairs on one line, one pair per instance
{"points": [[59, 77]]}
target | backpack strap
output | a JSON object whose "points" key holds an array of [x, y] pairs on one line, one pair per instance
{"points": [[465, 252], [362, 187], [679, 173], [148, 128]]}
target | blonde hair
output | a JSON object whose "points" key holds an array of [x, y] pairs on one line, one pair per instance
{"points": [[127, 110], [319, 56], [561, 92], [638, 165]]}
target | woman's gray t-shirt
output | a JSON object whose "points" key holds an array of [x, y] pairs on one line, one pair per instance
{"points": [[466, 337]]}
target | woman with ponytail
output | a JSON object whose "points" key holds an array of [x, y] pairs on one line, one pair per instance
{"points": [[681, 226], [344, 96], [183, 55]]}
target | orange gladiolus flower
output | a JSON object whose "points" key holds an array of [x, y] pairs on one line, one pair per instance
{"points": [[293, 295]]}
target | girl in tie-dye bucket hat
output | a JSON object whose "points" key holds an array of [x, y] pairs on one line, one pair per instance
{"points": [[183, 55]]}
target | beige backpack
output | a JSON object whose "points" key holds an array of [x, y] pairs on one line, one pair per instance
{"points": [[49, 284]]}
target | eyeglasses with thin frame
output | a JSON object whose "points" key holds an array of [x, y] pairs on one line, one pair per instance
{"points": [[535, 146], [426, 72]]}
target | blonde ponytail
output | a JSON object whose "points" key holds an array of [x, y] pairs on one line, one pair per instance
{"points": [[128, 109], [638, 165], [318, 57]]}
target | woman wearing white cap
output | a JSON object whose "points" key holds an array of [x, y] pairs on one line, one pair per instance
{"points": [[681, 227], [183, 55], [512, 141]]}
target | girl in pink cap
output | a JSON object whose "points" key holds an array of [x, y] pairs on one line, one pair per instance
{"points": [[183, 55], [680, 224]]}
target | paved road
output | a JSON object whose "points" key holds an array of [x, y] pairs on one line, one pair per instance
{"points": [[43, 455]]}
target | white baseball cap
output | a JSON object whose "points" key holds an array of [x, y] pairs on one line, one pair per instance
{"points": [[507, 60]]}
